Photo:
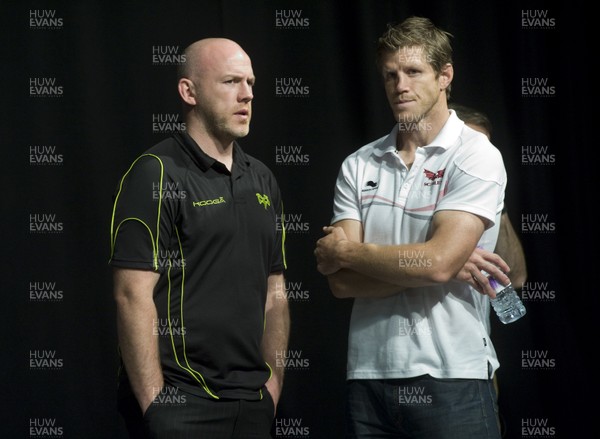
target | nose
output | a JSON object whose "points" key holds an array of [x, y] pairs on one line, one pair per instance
{"points": [[245, 94], [401, 84]]}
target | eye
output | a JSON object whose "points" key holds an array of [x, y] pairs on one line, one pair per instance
{"points": [[391, 75]]}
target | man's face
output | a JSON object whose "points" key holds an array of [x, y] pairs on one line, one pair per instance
{"points": [[410, 82], [224, 94]]}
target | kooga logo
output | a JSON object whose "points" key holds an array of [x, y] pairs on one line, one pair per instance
{"points": [[203, 203]]}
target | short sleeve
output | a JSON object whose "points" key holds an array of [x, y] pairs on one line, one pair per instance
{"points": [[478, 185], [345, 199], [139, 216]]}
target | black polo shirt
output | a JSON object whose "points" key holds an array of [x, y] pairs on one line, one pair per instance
{"points": [[215, 237]]}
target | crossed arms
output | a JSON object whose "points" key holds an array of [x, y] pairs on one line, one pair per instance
{"points": [[357, 269]]}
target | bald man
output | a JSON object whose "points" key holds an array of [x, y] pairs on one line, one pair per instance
{"points": [[197, 250]]}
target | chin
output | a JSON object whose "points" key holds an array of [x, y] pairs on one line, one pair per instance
{"points": [[241, 133]]}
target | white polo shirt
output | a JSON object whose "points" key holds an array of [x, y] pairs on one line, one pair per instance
{"points": [[438, 330]]}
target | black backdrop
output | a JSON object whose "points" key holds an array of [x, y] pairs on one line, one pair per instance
{"points": [[87, 86]]}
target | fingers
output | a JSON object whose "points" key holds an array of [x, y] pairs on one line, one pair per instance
{"points": [[482, 285], [499, 263], [497, 274], [478, 281], [491, 264], [491, 260]]}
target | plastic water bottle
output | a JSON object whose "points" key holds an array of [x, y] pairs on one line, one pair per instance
{"points": [[507, 304]]}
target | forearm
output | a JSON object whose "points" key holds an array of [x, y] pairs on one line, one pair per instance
{"points": [[136, 320], [276, 335], [139, 349], [406, 266], [383, 270], [346, 284]]}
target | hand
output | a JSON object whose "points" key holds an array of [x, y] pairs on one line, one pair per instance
{"points": [[489, 262], [147, 399], [274, 388], [327, 248]]}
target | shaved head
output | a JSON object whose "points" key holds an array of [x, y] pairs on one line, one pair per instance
{"points": [[204, 54], [215, 83]]}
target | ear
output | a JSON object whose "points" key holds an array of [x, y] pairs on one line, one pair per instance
{"points": [[446, 75], [187, 91]]}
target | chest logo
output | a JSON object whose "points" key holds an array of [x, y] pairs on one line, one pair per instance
{"points": [[263, 199], [370, 185], [203, 203], [433, 177]]}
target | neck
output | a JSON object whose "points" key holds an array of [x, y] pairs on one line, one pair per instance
{"points": [[422, 133], [215, 148]]}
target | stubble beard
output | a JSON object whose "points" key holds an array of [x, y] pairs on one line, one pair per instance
{"points": [[221, 127]]}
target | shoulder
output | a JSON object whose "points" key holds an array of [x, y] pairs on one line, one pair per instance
{"points": [[368, 153], [168, 150], [255, 165], [474, 142], [377, 147], [477, 156], [154, 162]]}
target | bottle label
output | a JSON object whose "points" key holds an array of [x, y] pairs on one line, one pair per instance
{"points": [[497, 286]]}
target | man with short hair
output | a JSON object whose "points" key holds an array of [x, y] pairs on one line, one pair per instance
{"points": [[410, 210], [198, 254]]}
